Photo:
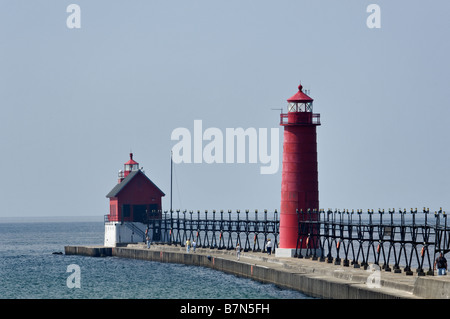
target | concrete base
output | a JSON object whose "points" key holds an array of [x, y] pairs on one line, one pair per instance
{"points": [[117, 233], [290, 252], [310, 277], [285, 252]]}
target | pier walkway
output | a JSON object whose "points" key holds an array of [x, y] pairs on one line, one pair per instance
{"points": [[312, 277]]}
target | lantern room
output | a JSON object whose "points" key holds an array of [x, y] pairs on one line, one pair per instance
{"points": [[300, 102], [129, 167], [300, 110]]}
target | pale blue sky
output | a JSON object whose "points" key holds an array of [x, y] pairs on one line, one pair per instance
{"points": [[74, 102]]}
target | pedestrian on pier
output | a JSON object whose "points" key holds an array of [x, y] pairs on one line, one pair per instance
{"points": [[188, 245], [147, 238], [238, 252], [269, 247], [441, 264], [194, 244]]}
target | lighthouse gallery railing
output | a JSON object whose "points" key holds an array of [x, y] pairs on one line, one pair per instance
{"points": [[314, 119]]}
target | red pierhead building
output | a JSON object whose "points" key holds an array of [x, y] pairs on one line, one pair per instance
{"points": [[299, 181], [132, 202]]}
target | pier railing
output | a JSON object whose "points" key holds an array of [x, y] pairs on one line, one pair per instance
{"points": [[217, 230], [395, 240], [392, 240]]}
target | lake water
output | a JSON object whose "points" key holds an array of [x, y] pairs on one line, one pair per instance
{"points": [[30, 270]]}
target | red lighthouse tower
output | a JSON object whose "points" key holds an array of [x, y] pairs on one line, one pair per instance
{"points": [[299, 181]]}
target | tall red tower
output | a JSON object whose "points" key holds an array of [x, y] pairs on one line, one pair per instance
{"points": [[299, 181]]}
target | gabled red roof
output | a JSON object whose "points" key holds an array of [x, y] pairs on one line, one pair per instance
{"points": [[300, 97], [120, 186]]}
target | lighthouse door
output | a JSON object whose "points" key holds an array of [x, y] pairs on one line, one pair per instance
{"points": [[140, 213]]}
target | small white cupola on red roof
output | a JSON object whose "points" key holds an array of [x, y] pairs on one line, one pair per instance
{"points": [[129, 167]]}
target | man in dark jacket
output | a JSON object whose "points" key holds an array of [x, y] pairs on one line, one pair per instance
{"points": [[441, 264]]}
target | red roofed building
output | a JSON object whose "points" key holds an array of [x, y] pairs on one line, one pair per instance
{"points": [[133, 202]]}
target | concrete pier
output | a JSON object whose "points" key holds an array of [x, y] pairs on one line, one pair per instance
{"points": [[314, 278]]}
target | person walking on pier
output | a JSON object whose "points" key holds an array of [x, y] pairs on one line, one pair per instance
{"points": [[269, 247], [238, 252], [188, 245], [441, 264], [147, 238]]}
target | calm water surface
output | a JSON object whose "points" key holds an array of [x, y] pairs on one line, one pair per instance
{"points": [[28, 269]]}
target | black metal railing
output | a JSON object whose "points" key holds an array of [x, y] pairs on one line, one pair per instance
{"points": [[392, 240], [395, 240], [312, 118], [218, 230]]}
